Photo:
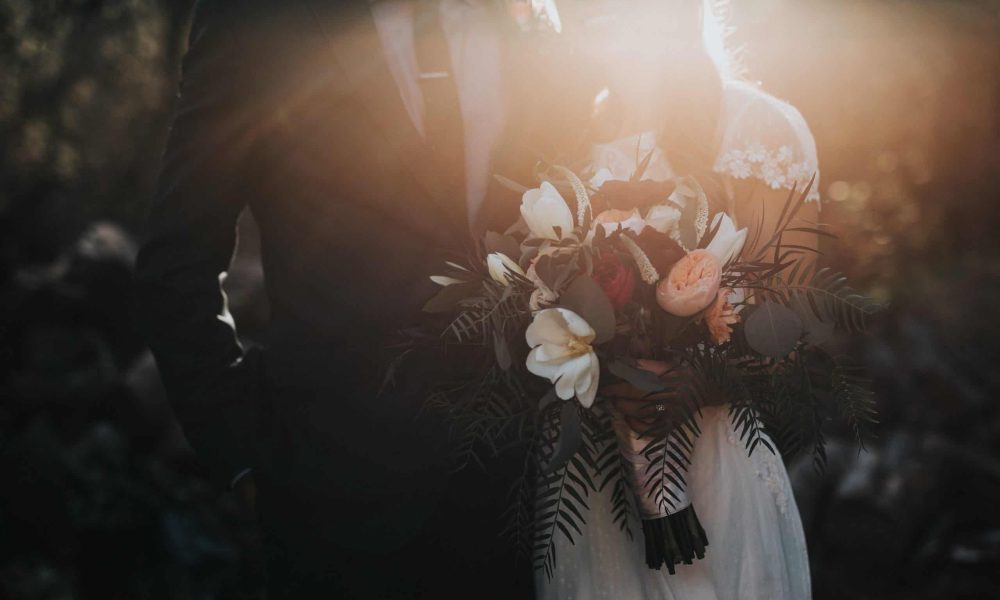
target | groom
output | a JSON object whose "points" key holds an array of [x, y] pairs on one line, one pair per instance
{"points": [[359, 135]]}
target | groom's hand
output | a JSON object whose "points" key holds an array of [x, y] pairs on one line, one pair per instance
{"points": [[190, 237], [245, 491]]}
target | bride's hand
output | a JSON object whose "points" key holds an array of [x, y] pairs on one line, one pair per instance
{"points": [[644, 412], [636, 409]]}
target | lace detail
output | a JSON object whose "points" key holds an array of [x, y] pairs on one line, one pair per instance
{"points": [[766, 467], [764, 138], [777, 168], [767, 139], [770, 473]]}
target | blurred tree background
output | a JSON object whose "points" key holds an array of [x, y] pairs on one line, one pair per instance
{"points": [[100, 497]]}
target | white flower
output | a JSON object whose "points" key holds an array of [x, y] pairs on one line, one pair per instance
{"points": [[544, 209], [663, 217], [502, 268], [541, 297], [444, 280], [728, 242], [561, 351], [602, 176]]}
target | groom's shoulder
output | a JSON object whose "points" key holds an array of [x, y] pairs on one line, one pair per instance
{"points": [[270, 31], [254, 9], [264, 24]]}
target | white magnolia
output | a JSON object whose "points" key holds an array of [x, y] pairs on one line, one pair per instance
{"points": [[562, 351], [728, 242], [502, 268], [544, 209], [663, 217]]}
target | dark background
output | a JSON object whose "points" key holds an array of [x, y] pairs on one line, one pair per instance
{"points": [[100, 497]]}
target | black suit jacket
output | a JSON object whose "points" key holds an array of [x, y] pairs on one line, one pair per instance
{"points": [[288, 109]]}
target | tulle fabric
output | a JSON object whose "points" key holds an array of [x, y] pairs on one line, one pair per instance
{"points": [[756, 542]]}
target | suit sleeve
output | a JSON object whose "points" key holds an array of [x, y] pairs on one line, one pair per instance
{"points": [[190, 239]]}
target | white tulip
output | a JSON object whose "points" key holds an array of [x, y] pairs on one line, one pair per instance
{"points": [[444, 280], [502, 268], [728, 242], [561, 351], [663, 217], [544, 209]]}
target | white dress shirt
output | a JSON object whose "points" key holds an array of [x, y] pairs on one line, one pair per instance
{"points": [[473, 39]]}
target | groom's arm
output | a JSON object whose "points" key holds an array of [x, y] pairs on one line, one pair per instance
{"points": [[190, 240]]}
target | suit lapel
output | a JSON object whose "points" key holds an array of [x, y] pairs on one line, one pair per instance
{"points": [[349, 29]]}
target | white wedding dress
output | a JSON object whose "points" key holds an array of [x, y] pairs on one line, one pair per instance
{"points": [[757, 548]]}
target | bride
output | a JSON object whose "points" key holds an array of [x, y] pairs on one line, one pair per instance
{"points": [[664, 88]]}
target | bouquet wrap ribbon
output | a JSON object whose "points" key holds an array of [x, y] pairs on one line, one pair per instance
{"points": [[670, 525]]}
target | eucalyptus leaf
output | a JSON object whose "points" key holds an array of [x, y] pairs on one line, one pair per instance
{"points": [[817, 330], [519, 227], [570, 436], [495, 242], [564, 273], [510, 184], [448, 297], [547, 270], [549, 397], [773, 329], [587, 299], [636, 377], [502, 351]]}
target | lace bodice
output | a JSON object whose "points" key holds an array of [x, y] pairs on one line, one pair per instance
{"points": [[762, 138]]}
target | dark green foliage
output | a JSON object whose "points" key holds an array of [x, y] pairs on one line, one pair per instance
{"points": [[772, 329], [793, 276], [851, 389], [485, 414], [826, 293], [585, 298], [562, 494], [780, 386], [611, 469]]}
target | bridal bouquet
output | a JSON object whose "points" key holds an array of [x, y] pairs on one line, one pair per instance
{"points": [[606, 318]]}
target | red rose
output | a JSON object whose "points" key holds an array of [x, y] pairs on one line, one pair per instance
{"points": [[616, 278]]}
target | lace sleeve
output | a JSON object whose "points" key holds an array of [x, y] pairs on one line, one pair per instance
{"points": [[766, 138]]}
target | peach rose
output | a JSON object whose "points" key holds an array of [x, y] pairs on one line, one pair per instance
{"points": [[693, 284], [720, 317]]}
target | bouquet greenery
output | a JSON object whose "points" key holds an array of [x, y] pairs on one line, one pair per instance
{"points": [[605, 325]]}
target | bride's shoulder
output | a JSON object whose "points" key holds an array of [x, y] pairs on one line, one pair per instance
{"points": [[765, 138]]}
